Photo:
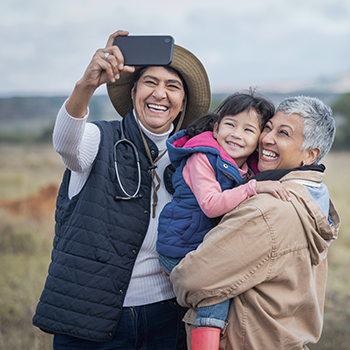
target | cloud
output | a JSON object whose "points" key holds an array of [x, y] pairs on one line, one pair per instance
{"points": [[46, 46]]}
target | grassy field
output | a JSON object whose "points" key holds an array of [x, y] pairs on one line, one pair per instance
{"points": [[25, 241], [26, 234]]}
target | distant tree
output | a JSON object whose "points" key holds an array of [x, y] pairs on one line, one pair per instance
{"points": [[46, 135], [216, 99], [341, 111]]}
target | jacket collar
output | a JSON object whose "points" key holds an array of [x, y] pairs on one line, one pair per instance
{"points": [[280, 173]]}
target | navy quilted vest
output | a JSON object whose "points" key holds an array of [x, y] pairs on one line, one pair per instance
{"points": [[96, 241]]}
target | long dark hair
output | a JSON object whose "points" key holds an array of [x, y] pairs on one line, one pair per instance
{"points": [[234, 104]]}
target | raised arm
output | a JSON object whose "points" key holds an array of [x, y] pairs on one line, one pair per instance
{"points": [[75, 140], [99, 71]]}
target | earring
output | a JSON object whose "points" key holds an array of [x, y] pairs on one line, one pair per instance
{"points": [[303, 163]]}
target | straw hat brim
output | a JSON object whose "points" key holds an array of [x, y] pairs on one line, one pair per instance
{"points": [[192, 71]]}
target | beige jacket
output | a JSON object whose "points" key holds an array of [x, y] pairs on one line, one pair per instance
{"points": [[269, 257]]}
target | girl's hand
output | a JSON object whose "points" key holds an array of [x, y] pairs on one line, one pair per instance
{"points": [[275, 188], [165, 273]]}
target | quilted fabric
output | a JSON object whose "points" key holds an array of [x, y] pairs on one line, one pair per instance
{"points": [[182, 223], [96, 241]]}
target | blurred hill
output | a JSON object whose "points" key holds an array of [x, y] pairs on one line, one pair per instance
{"points": [[32, 118]]}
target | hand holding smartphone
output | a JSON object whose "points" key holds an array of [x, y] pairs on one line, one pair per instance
{"points": [[146, 50]]}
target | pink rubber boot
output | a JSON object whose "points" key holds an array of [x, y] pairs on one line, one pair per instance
{"points": [[205, 338]]}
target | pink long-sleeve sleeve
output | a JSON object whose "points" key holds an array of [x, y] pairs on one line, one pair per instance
{"points": [[200, 177]]}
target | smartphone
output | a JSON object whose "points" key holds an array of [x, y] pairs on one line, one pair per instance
{"points": [[146, 50]]}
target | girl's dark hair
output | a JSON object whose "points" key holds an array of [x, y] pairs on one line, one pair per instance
{"points": [[234, 104], [202, 124]]}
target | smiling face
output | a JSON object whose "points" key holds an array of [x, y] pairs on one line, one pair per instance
{"points": [[238, 135], [158, 98], [280, 143]]}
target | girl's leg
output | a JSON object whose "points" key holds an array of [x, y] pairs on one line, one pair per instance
{"points": [[210, 320], [168, 263], [213, 316]]}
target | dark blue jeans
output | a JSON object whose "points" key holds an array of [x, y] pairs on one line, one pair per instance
{"points": [[156, 326]]}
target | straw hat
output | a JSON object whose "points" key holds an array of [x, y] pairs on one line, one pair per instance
{"points": [[192, 71]]}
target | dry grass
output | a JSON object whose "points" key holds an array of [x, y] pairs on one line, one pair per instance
{"points": [[25, 169], [26, 240], [26, 233]]}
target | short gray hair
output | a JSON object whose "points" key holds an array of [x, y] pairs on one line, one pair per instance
{"points": [[319, 125]]}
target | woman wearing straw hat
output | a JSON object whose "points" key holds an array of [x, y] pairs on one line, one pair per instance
{"points": [[105, 287]]}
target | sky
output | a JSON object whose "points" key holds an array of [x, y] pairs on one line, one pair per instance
{"points": [[46, 45]]}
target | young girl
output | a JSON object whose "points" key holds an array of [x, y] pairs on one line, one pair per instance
{"points": [[211, 157]]}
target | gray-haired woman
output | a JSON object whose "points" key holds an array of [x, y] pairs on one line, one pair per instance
{"points": [[269, 256]]}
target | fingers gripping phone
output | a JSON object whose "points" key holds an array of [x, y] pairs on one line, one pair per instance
{"points": [[146, 50]]}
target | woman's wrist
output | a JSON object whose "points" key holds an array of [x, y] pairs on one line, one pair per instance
{"points": [[79, 100]]}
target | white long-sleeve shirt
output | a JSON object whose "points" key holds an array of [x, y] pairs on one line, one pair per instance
{"points": [[77, 142]]}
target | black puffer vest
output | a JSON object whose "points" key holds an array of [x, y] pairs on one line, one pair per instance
{"points": [[97, 240]]}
